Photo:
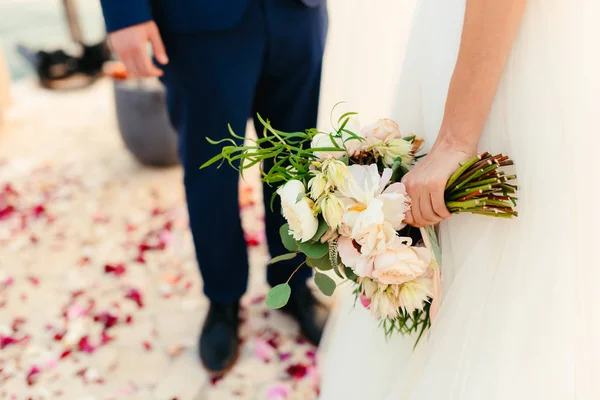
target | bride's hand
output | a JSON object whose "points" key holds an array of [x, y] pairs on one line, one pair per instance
{"points": [[426, 182]]}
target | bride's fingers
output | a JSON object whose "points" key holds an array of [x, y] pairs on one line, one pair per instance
{"points": [[439, 204], [415, 210], [408, 218], [428, 215]]}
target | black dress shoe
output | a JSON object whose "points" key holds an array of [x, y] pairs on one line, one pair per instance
{"points": [[219, 342], [310, 314]]}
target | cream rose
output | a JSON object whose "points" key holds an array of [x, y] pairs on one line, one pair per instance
{"points": [[401, 263], [382, 130], [298, 213]]}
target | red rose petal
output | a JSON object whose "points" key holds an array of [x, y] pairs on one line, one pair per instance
{"points": [[32, 375], [297, 371], [136, 296], [147, 346], [65, 354], [6, 212], [85, 346], [109, 320], [38, 211], [116, 270], [105, 338], [128, 319]]}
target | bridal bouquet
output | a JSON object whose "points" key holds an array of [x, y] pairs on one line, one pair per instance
{"points": [[344, 203]]}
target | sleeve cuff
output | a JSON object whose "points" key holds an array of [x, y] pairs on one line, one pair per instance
{"points": [[119, 14]]}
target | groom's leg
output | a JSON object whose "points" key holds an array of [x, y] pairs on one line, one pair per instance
{"points": [[211, 80], [288, 95]]}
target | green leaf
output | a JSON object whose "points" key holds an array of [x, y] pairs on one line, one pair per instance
{"points": [[283, 257], [314, 250], [348, 114], [322, 264], [320, 231], [349, 273], [278, 296], [288, 241], [325, 283]]}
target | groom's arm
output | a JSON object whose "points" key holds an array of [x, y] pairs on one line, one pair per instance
{"points": [[130, 27], [120, 14]]}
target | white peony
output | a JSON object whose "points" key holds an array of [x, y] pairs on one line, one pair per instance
{"points": [[352, 258], [366, 191], [298, 213]]}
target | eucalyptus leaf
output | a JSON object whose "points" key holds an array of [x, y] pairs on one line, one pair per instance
{"points": [[288, 241], [320, 231], [283, 257], [322, 264], [278, 296], [314, 250], [325, 283], [349, 273]]}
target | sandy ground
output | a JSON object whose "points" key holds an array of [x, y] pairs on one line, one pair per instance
{"points": [[100, 296]]}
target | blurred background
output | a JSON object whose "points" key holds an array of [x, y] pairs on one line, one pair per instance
{"points": [[100, 295]]}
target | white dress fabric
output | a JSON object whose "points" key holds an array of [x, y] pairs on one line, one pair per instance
{"points": [[520, 315]]}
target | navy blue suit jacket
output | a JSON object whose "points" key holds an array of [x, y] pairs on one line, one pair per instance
{"points": [[180, 16]]}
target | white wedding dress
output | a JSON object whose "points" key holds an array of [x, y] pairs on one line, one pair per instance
{"points": [[520, 316]]}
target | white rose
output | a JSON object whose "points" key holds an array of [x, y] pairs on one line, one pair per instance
{"points": [[401, 263], [382, 130], [298, 213]]}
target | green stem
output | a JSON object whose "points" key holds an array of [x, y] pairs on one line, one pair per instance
{"points": [[461, 170]]}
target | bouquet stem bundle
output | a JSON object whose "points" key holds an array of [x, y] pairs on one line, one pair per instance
{"points": [[479, 186]]}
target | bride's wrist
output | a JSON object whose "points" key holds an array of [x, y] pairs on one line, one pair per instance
{"points": [[449, 140]]}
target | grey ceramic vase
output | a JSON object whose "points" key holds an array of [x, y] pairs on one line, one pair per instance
{"points": [[144, 123]]}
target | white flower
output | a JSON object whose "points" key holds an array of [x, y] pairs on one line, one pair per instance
{"points": [[337, 173], [317, 185], [367, 185], [396, 148], [383, 301], [370, 229], [343, 140], [401, 263], [414, 294], [352, 258], [333, 211], [298, 212]]}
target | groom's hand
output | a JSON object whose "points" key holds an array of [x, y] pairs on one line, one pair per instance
{"points": [[131, 46]]}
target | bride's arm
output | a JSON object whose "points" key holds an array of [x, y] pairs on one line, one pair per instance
{"points": [[490, 27]]}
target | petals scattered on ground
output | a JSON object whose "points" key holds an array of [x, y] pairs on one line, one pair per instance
{"points": [[100, 296]]}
